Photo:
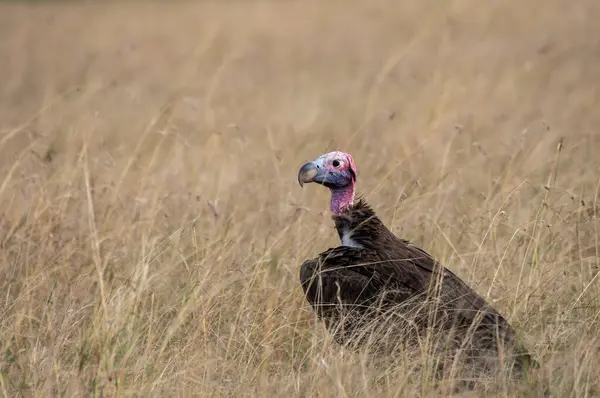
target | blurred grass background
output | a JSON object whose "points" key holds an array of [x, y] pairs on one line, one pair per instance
{"points": [[151, 225]]}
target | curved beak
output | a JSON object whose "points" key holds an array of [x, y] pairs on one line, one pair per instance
{"points": [[307, 173]]}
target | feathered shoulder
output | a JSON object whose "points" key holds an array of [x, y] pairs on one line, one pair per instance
{"points": [[362, 205], [361, 222], [359, 211]]}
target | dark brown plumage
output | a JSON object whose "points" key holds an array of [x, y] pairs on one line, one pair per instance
{"points": [[382, 290]]}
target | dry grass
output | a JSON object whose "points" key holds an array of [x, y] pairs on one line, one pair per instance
{"points": [[151, 226]]}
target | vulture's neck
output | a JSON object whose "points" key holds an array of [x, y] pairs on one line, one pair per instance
{"points": [[342, 199], [359, 227]]}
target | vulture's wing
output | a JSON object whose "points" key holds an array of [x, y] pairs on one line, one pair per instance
{"points": [[351, 276], [345, 289], [365, 277], [337, 276], [417, 268]]}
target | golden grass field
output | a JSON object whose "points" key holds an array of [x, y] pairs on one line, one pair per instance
{"points": [[151, 224]]}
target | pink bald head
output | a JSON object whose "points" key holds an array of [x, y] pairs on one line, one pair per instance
{"points": [[337, 171]]}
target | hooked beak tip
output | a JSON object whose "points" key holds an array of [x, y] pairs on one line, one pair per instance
{"points": [[307, 173]]}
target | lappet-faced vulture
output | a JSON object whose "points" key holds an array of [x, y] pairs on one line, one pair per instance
{"points": [[380, 289]]}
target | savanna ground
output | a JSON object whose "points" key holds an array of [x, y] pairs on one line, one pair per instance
{"points": [[152, 227]]}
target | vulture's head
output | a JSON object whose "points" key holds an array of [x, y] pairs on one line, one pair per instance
{"points": [[336, 171]]}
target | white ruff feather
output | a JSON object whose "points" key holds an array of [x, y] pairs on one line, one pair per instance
{"points": [[348, 241]]}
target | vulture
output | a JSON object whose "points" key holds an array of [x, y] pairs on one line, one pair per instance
{"points": [[378, 289]]}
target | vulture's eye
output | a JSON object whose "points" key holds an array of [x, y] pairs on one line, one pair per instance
{"points": [[336, 163]]}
